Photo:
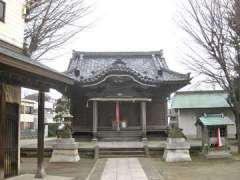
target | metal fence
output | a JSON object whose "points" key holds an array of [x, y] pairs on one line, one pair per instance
{"points": [[28, 133]]}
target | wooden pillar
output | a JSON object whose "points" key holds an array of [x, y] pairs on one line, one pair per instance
{"points": [[2, 131], [143, 119], [40, 144], [95, 120], [166, 111]]}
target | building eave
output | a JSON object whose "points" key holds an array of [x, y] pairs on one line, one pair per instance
{"points": [[24, 63]]}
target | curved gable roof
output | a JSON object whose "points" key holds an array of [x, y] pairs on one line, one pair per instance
{"points": [[148, 67]]}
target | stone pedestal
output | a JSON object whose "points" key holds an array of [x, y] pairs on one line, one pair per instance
{"points": [[176, 150], [217, 154], [66, 150]]}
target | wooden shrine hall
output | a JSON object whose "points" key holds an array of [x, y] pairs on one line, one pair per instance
{"points": [[121, 95]]}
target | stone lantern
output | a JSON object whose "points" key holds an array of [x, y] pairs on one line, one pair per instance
{"points": [[66, 149], [177, 146]]}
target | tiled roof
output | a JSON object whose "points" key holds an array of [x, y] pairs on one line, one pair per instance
{"points": [[151, 67], [199, 99], [215, 120], [17, 58]]}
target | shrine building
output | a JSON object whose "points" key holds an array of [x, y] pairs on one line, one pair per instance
{"points": [[121, 95]]}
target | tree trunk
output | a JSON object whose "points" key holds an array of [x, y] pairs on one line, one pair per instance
{"points": [[237, 121], [238, 131]]}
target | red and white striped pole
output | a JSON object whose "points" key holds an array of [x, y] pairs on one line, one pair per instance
{"points": [[219, 141], [117, 115]]}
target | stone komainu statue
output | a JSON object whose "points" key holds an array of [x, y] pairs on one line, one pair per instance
{"points": [[175, 132], [65, 131]]}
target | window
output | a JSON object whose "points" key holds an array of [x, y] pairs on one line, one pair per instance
{"points": [[2, 10], [28, 110]]}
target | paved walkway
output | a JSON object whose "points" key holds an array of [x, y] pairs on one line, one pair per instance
{"points": [[123, 169]]}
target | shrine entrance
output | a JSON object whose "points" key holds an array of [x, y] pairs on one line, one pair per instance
{"points": [[119, 116]]}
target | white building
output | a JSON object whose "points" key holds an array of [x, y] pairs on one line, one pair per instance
{"points": [[12, 33], [188, 106], [29, 117], [27, 114]]}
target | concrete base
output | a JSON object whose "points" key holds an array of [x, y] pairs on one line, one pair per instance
{"points": [[176, 155], [65, 155], [176, 150], [218, 154], [66, 150]]}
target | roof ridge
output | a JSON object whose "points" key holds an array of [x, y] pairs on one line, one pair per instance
{"points": [[201, 91], [123, 53], [171, 71]]}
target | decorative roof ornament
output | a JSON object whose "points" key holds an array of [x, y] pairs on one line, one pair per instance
{"points": [[119, 62]]}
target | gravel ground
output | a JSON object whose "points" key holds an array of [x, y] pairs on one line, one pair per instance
{"points": [[200, 169], [78, 170], [155, 168]]}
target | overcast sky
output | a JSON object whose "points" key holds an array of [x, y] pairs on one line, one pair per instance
{"points": [[128, 25]]}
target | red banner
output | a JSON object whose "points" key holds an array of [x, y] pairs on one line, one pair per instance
{"points": [[117, 114], [219, 141]]}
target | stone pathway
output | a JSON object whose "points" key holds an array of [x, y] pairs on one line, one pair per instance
{"points": [[123, 169]]}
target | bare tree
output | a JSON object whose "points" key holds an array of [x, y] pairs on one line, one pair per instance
{"points": [[51, 23], [214, 25]]}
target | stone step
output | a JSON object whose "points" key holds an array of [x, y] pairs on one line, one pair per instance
{"points": [[121, 152], [119, 139], [119, 135], [120, 155]]}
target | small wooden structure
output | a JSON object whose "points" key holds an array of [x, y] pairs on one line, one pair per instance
{"points": [[17, 70], [214, 135], [188, 106]]}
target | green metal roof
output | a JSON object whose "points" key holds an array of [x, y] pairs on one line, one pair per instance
{"points": [[199, 99], [215, 120]]}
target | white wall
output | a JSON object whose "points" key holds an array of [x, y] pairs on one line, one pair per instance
{"points": [[12, 30], [26, 117], [231, 129], [186, 121], [188, 117]]}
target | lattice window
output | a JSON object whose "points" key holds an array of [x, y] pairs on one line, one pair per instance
{"points": [[213, 131]]}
